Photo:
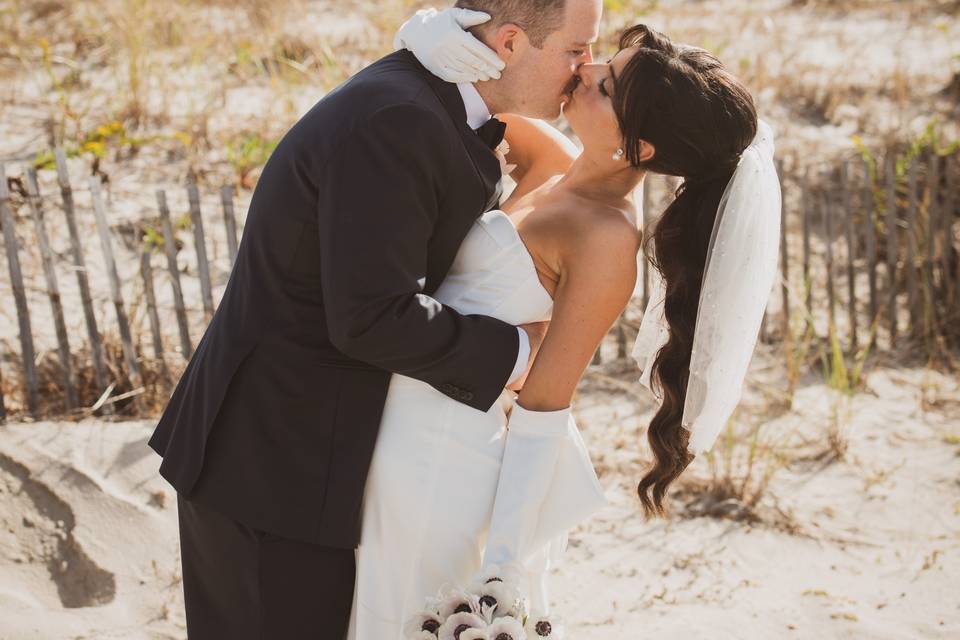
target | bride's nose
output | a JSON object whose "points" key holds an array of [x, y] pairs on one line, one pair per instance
{"points": [[590, 74]]}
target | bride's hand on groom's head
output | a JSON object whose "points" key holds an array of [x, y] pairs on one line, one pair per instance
{"points": [[442, 44]]}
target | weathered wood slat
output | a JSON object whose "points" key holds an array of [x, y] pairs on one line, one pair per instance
{"points": [[940, 201], [930, 250], [27, 352], [846, 188], [807, 204], [170, 249], [827, 212], [784, 264], [3, 403], [870, 232], [913, 295], [146, 273], [83, 283], [200, 244], [950, 201], [71, 400], [229, 222], [116, 292], [646, 214], [891, 179], [933, 220]]}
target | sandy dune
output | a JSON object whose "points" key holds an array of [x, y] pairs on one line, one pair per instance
{"points": [[88, 542]]}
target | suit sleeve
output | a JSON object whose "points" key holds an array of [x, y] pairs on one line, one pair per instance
{"points": [[379, 198]]}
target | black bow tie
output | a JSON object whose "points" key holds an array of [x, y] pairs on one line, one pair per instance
{"points": [[491, 132]]}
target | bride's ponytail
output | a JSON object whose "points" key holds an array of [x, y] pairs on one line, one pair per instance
{"points": [[681, 238], [699, 119]]}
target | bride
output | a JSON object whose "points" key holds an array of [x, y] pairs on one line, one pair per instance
{"points": [[450, 488]]}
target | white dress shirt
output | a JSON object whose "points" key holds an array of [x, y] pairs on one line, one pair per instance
{"points": [[477, 116]]}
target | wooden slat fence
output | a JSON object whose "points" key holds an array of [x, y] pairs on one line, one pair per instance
{"points": [[861, 244]]}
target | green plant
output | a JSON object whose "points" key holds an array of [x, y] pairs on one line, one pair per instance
{"points": [[67, 113], [839, 375], [929, 140], [247, 152], [635, 7], [798, 343], [152, 237], [97, 142]]}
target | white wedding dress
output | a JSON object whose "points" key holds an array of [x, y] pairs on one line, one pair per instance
{"points": [[434, 476]]}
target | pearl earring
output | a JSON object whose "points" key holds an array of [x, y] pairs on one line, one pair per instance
{"points": [[618, 154]]}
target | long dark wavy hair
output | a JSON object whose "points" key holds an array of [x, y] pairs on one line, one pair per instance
{"points": [[699, 118]]}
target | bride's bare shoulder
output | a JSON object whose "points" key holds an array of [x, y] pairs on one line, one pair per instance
{"points": [[589, 225], [577, 235]]}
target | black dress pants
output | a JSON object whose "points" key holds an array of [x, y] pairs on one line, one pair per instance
{"points": [[243, 584]]}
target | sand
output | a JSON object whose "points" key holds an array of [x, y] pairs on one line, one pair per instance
{"points": [[865, 547]]}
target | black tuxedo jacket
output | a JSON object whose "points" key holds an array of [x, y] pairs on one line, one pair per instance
{"points": [[354, 222]]}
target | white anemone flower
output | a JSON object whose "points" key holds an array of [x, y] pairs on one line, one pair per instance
{"points": [[458, 623], [487, 612], [475, 634], [506, 628], [421, 635], [424, 621], [509, 573], [544, 627], [458, 601], [500, 597]]}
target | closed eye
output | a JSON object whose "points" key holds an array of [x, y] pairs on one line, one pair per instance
{"points": [[603, 88]]}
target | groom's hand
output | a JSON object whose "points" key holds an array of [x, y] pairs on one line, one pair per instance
{"points": [[536, 331]]}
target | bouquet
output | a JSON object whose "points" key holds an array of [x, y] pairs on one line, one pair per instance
{"points": [[492, 608]]}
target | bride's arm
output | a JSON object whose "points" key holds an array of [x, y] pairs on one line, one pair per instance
{"points": [[597, 279], [539, 150]]}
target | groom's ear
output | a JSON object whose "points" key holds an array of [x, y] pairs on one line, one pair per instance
{"points": [[508, 40]]}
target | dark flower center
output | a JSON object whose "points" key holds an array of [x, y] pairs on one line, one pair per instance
{"points": [[459, 630], [504, 636], [494, 580], [463, 608], [543, 628], [488, 600], [431, 626]]}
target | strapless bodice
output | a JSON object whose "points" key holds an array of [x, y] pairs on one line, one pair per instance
{"points": [[494, 275]]}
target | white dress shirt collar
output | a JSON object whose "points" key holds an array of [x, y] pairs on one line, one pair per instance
{"points": [[477, 111]]}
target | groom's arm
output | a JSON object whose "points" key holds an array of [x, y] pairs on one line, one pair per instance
{"points": [[378, 203]]}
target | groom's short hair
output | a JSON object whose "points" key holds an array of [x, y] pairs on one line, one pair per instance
{"points": [[538, 18]]}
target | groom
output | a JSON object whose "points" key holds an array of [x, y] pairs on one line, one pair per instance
{"points": [[354, 222]]}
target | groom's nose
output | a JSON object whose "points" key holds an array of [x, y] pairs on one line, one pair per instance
{"points": [[585, 57]]}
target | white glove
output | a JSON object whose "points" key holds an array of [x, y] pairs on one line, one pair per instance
{"points": [[441, 43]]}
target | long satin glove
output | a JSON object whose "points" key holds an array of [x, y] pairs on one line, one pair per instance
{"points": [[534, 440], [547, 486], [442, 44]]}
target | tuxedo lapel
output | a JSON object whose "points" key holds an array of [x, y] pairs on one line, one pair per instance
{"points": [[484, 159]]}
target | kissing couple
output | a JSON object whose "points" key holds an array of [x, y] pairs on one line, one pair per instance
{"points": [[381, 406]]}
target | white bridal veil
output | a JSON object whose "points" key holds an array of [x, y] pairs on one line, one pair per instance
{"points": [[739, 275]]}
